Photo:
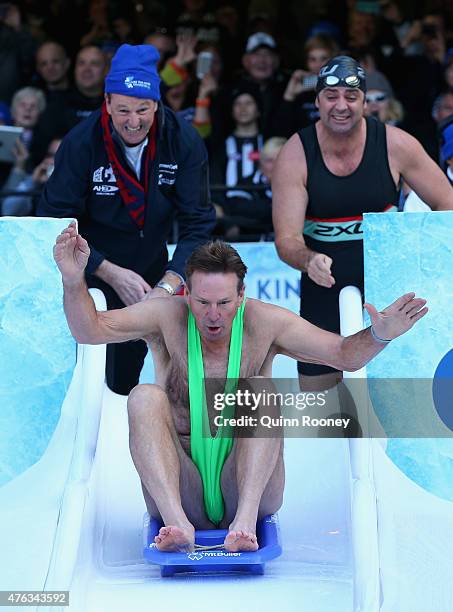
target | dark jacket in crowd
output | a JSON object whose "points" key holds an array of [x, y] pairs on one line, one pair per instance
{"points": [[269, 96], [290, 117], [64, 110]]}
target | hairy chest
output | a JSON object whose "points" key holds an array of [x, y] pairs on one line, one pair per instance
{"points": [[177, 387]]}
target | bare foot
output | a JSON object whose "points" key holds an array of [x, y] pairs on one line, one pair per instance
{"points": [[241, 541], [175, 539]]}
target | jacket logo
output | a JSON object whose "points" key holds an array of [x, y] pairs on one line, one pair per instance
{"points": [[104, 175], [101, 176], [105, 189], [167, 174]]}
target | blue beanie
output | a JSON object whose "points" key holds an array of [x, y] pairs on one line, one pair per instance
{"points": [[133, 72]]}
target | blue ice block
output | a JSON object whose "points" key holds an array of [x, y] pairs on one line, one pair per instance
{"points": [[37, 352], [407, 252]]}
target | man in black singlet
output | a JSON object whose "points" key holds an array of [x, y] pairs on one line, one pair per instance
{"points": [[329, 174]]}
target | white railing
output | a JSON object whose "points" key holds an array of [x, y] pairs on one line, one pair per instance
{"points": [[363, 495]]}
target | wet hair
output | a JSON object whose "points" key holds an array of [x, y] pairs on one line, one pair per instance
{"points": [[214, 257]]}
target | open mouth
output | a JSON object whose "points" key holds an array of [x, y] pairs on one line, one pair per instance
{"points": [[214, 329]]}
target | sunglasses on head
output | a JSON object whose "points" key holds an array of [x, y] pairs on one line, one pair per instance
{"points": [[377, 97]]}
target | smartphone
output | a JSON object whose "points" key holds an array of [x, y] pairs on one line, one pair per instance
{"points": [[204, 63], [9, 135], [309, 82]]}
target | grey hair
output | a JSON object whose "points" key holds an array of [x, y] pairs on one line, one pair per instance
{"points": [[28, 91]]}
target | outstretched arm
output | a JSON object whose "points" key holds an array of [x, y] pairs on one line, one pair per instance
{"points": [[71, 253], [306, 342]]}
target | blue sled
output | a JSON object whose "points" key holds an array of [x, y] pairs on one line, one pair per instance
{"points": [[203, 561]]}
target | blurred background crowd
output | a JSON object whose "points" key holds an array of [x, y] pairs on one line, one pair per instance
{"points": [[242, 73]]}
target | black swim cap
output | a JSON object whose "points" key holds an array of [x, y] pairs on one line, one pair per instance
{"points": [[341, 71]]}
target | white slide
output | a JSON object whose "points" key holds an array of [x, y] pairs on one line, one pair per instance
{"points": [[85, 535], [385, 547], [357, 533]]}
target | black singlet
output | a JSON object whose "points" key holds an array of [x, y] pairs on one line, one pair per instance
{"points": [[334, 221]]}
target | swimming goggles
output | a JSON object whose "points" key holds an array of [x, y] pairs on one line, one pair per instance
{"points": [[349, 81]]}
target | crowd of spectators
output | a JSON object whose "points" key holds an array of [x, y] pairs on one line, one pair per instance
{"points": [[243, 73]]}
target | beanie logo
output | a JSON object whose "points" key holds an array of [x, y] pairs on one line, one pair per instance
{"points": [[130, 82]]}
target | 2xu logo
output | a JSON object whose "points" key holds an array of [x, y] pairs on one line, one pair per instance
{"points": [[336, 230]]}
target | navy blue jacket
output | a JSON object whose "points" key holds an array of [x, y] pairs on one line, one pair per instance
{"points": [[83, 186]]}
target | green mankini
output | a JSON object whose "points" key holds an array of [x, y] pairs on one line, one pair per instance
{"points": [[209, 453]]}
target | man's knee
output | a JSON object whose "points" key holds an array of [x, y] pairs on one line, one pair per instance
{"points": [[147, 402]]}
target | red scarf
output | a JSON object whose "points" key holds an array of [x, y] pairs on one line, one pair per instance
{"points": [[133, 193]]}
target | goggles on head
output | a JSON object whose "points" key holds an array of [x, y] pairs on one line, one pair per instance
{"points": [[349, 81], [341, 71]]}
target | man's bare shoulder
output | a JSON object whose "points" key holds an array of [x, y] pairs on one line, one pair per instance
{"points": [[268, 317], [293, 149], [400, 142], [167, 310], [160, 313], [291, 161]]}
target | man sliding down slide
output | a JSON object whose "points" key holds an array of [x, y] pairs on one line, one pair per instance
{"points": [[190, 481]]}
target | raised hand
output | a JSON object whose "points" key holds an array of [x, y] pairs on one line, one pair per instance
{"points": [[208, 85], [185, 45], [318, 269], [21, 154], [295, 85], [40, 173], [397, 318], [71, 253]]}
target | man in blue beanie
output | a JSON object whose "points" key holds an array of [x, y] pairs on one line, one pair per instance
{"points": [[126, 173]]}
